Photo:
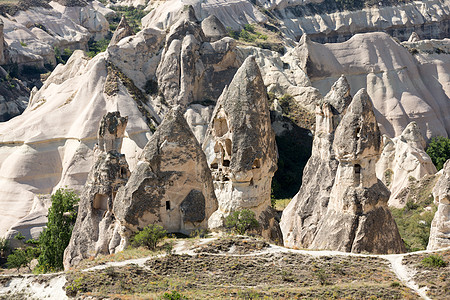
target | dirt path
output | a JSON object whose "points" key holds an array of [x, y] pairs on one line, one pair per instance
{"points": [[34, 286]]}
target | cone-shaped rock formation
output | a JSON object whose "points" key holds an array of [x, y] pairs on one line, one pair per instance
{"points": [[95, 231], [171, 185], [241, 151]]}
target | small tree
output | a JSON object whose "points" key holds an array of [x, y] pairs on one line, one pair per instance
{"points": [[22, 257], [241, 221], [55, 238], [149, 236], [439, 151]]}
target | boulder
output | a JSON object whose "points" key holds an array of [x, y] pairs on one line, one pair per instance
{"points": [[440, 226], [96, 230], [171, 185], [241, 151], [213, 29], [403, 157]]}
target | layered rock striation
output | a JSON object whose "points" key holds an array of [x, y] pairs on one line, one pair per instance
{"points": [[440, 226], [241, 151]]}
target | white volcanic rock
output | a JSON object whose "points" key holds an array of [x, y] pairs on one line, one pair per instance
{"points": [[50, 144], [232, 13], [403, 157], [32, 34], [241, 151], [420, 16], [440, 226], [357, 217], [402, 89], [171, 185], [96, 230], [302, 216]]}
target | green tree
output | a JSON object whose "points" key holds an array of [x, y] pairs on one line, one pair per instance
{"points": [[149, 236], [4, 247], [55, 238], [22, 257], [241, 221], [439, 151]]}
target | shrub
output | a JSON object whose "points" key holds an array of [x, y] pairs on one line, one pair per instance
{"points": [[4, 247], [439, 151], [434, 261], [55, 238], [241, 221], [149, 236], [22, 258], [95, 47], [174, 295]]}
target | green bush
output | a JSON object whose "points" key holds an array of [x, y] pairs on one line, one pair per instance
{"points": [[149, 236], [95, 47], [174, 295], [241, 221], [55, 238], [22, 257], [4, 247], [434, 261], [439, 151]]}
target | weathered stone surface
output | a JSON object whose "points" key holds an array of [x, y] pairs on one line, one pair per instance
{"points": [[440, 226], [302, 216], [241, 151], [191, 68], [171, 185], [96, 230], [403, 157], [122, 31], [213, 28], [341, 204], [357, 217]]}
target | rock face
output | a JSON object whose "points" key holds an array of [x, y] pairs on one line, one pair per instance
{"points": [[191, 68], [241, 151], [358, 218], [96, 231], [403, 157], [353, 215], [59, 130], [440, 226], [171, 185], [406, 91], [301, 218], [123, 30]]}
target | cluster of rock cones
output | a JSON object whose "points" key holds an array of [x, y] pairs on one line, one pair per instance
{"points": [[184, 186]]}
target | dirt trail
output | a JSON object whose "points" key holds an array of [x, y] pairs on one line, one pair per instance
{"points": [[53, 289]]}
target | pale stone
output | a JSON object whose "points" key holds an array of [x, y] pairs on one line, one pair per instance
{"points": [[241, 151], [171, 185], [440, 226], [403, 157], [94, 231]]}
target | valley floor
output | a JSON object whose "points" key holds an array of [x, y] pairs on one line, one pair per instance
{"points": [[234, 267]]}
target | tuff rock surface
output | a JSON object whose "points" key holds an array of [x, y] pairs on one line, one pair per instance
{"points": [[122, 31], [440, 226], [403, 157], [96, 230], [347, 207], [241, 151], [171, 185], [302, 216]]}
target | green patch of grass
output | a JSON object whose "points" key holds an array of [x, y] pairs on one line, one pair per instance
{"points": [[280, 204], [435, 261], [414, 220]]}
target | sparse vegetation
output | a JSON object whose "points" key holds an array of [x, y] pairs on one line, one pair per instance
{"points": [[434, 261], [439, 151], [55, 238], [95, 47], [256, 35], [131, 13], [62, 57], [241, 221], [174, 295], [149, 236]]}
